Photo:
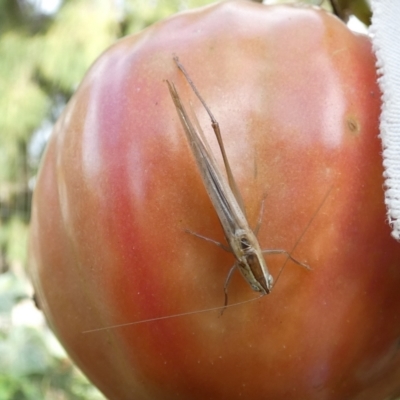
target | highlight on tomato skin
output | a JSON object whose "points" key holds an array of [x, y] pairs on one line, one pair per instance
{"points": [[295, 94]]}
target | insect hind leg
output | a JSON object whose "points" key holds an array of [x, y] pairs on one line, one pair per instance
{"points": [[289, 256]]}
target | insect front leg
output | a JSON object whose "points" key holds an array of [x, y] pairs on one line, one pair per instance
{"points": [[231, 271], [227, 281], [226, 248]]}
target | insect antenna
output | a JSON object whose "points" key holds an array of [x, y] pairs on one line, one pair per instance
{"points": [[302, 235], [144, 321]]}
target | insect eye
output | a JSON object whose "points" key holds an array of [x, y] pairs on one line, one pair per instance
{"points": [[244, 243]]}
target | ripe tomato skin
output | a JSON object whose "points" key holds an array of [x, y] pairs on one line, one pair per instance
{"points": [[296, 97]]}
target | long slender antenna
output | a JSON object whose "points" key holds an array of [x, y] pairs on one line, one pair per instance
{"points": [[143, 321], [304, 231]]}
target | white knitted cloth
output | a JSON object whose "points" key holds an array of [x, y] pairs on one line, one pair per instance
{"points": [[385, 34]]}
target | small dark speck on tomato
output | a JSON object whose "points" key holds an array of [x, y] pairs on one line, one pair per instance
{"points": [[352, 125]]}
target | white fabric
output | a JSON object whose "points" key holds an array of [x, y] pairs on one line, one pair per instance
{"points": [[385, 33]]}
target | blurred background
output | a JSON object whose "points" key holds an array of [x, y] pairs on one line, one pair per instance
{"points": [[45, 48]]}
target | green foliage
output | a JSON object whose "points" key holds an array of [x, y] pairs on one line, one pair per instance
{"points": [[12, 291], [138, 14], [32, 363], [31, 370], [24, 103], [45, 57], [360, 8], [90, 26], [13, 238]]}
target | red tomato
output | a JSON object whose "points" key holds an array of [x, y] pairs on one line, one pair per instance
{"points": [[296, 97]]}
